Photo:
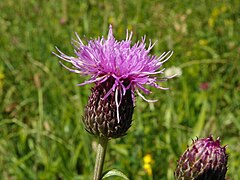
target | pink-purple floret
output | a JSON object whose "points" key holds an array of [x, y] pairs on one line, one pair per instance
{"points": [[103, 58]]}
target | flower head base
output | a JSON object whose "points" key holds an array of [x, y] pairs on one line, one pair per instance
{"points": [[100, 116], [124, 68], [205, 159]]}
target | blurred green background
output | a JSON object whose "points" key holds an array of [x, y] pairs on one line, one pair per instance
{"points": [[41, 133]]}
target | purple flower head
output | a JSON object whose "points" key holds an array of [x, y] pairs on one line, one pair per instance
{"points": [[131, 67]]}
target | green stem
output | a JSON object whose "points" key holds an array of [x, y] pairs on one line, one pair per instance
{"points": [[101, 151]]}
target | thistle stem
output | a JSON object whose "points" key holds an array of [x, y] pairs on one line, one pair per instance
{"points": [[101, 151]]}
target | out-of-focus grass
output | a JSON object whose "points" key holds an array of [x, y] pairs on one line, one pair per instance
{"points": [[41, 133]]}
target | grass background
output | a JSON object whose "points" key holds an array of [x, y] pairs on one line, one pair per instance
{"points": [[41, 133]]}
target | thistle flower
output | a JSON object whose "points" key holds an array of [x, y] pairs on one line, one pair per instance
{"points": [[205, 159], [118, 71]]}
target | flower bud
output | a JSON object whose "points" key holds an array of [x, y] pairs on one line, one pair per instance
{"points": [[205, 159]]}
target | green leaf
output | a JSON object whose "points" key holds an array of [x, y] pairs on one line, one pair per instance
{"points": [[114, 172]]}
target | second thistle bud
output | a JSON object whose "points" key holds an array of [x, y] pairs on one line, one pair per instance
{"points": [[101, 114], [205, 159]]}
